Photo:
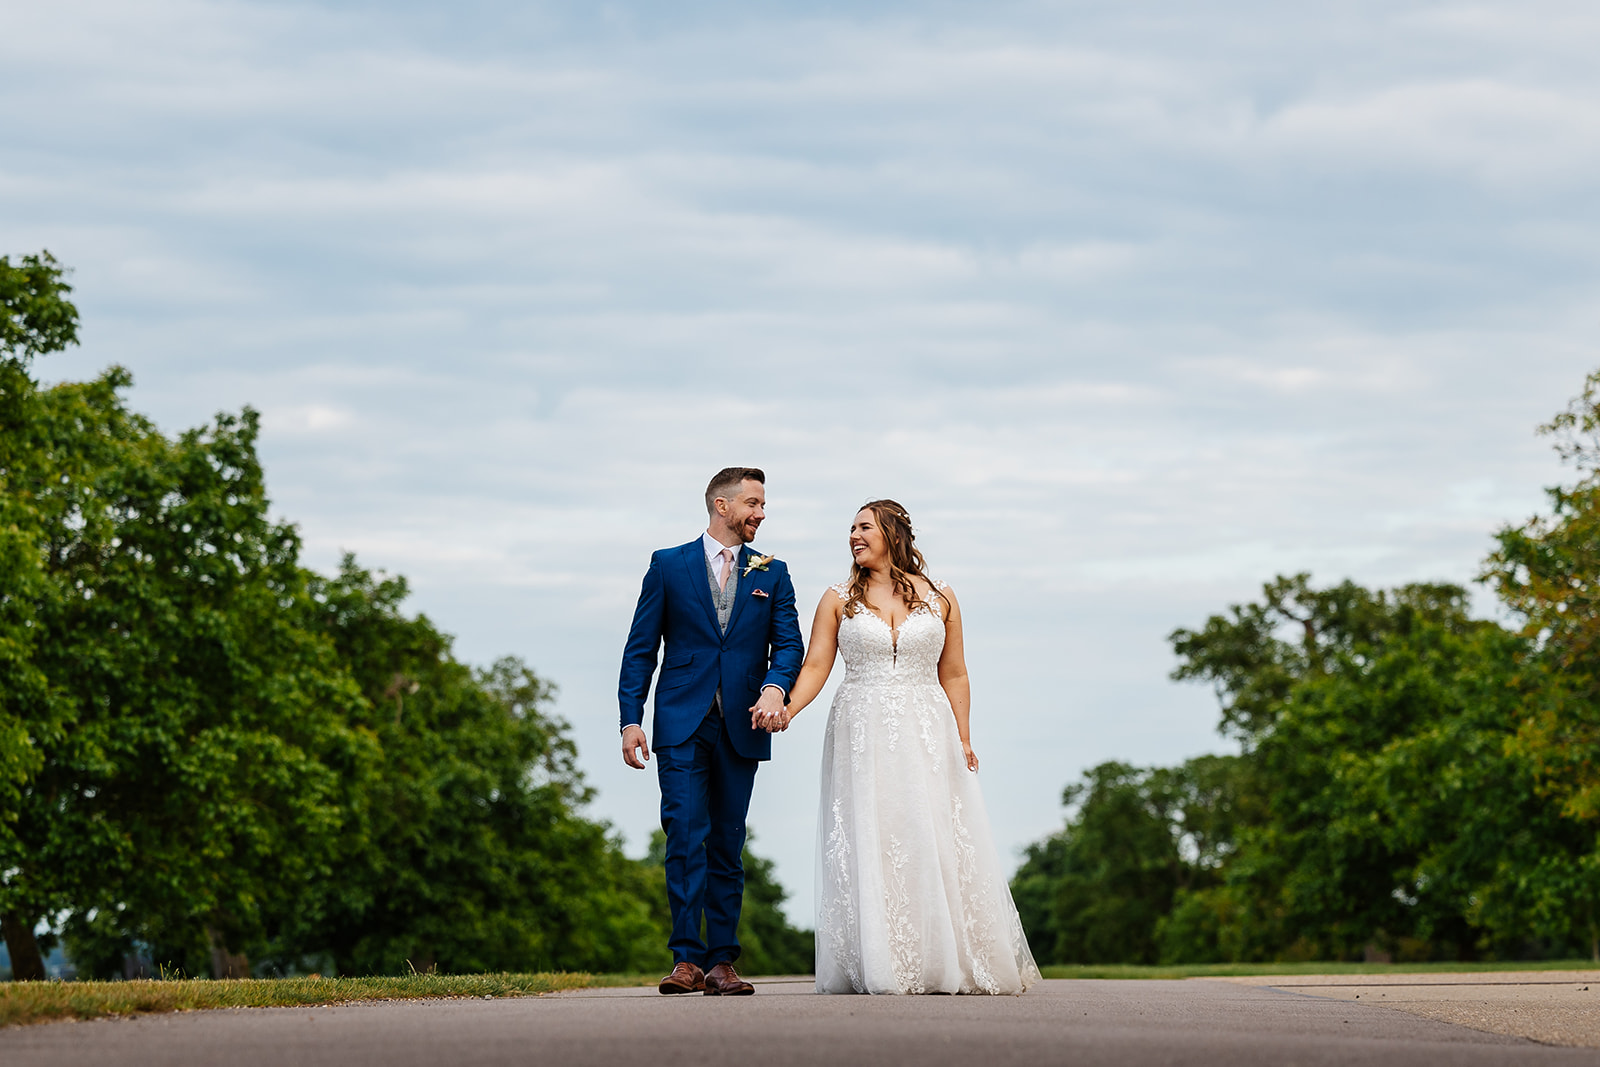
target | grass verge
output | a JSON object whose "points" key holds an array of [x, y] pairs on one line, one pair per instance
{"points": [[38, 1002], [1229, 970]]}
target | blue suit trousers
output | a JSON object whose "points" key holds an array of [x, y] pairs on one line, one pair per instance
{"points": [[705, 796]]}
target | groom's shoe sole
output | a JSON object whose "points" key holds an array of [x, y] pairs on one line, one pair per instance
{"points": [[671, 990], [723, 981], [685, 978]]}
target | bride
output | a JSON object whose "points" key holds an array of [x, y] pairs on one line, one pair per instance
{"points": [[911, 897]]}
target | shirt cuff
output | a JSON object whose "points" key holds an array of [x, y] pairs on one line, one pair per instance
{"points": [[784, 693]]}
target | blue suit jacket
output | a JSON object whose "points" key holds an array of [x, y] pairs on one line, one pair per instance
{"points": [[762, 647]]}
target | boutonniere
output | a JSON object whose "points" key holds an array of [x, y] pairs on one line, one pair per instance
{"points": [[757, 563]]}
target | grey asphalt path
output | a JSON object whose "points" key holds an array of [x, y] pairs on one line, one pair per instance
{"points": [[1126, 1024], [1553, 1007]]}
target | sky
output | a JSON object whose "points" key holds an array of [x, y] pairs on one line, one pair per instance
{"points": [[1133, 306]]}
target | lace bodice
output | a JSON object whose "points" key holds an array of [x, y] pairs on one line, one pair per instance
{"points": [[874, 653]]}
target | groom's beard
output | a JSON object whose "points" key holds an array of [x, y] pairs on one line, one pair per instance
{"points": [[746, 532]]}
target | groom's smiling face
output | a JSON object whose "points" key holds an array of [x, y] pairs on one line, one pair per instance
{"points": [[746, 510]]}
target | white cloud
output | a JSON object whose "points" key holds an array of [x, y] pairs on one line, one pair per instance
{"points": [[1491, 130], [307, 419]]}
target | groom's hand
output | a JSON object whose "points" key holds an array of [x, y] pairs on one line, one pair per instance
{"points": [[633, 742], [769, 714]]}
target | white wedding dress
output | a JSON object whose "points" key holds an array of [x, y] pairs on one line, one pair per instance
{"points": [[911, 897]]}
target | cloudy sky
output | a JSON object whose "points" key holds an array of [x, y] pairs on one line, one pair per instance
{"points": [[1133, 306]]}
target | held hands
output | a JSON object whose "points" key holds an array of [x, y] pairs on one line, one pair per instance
{"points": [[633, 741], [769, 714], [971, 756]]}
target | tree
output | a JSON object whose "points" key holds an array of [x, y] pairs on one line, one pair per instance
{"points": [[1412, 781], [1390, 811], [187, 781], [36, 318], [1547, 571], [1381, 803], [1098, 891], [208, 751], [467, 850]]}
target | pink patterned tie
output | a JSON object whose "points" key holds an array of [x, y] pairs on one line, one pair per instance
{"points": [[725, 569]]}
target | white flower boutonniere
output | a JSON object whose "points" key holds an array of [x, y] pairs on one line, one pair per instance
{"points": [[757, 563]]}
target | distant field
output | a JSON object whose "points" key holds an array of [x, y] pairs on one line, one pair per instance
{"points": [[1228, 970], [40, 1002]]}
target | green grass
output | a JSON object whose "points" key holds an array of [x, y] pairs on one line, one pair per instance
{"points": [[1228, 970], [39, 1002]]}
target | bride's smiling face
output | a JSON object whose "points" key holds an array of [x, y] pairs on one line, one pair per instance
{"points": [[867, 544]]}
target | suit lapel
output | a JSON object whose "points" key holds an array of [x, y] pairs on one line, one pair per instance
{"points": [[742, 594], [694, 563]]}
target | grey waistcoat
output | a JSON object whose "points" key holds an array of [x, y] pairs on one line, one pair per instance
{"points": [[722, 599]]}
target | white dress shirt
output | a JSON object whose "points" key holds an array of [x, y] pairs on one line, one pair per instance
{"points": [[714, 549]]}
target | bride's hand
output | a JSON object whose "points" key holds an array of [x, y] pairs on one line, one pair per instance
{"points": [[773, 719], [768, 712], [972, 757]]}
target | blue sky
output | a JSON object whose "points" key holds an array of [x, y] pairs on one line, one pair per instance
{"points": [[1134, 306]]}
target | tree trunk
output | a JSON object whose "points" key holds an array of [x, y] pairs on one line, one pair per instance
{"points": [[27, 965], [225, 964]]}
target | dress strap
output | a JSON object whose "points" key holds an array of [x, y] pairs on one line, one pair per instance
{"points": [[842, 589]]}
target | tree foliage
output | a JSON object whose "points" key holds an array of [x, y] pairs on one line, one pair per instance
{"points": [[35, 316], [211, 755], [1412, 782]]}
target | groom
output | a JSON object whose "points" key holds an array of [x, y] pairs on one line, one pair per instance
{"points": [[733, 650]]}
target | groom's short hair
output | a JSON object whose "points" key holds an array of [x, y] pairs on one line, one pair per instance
{"points": [[726, 482]]}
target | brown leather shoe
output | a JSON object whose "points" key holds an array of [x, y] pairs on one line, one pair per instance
{"points": [[723, 981], [685, 978]]}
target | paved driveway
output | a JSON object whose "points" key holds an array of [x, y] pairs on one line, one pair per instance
{"points": [[1126, 1024]]}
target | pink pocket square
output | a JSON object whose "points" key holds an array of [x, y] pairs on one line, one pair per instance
{"points": [[758, 592]]}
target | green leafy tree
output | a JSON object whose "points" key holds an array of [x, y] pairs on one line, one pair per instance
{"points": [[213, 754], [1382, 802], [36, 318], [187, 778], [1099, 890], [467, 851], [1547, 571], [1391, 813], [1109, 877], [1412, 781]]}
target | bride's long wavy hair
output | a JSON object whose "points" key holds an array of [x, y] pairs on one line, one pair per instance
{"points": [[905, 559]]}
